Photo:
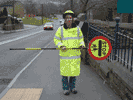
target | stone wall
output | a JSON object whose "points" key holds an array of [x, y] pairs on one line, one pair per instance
{"points": [[9, 26]]}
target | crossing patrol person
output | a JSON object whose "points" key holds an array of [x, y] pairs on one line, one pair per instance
{"points": [[69, 36]]}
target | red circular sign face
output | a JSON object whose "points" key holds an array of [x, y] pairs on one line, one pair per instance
{"points": [[101, 48]]}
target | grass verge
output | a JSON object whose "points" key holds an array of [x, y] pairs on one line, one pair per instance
{"points": [[34, 21]]}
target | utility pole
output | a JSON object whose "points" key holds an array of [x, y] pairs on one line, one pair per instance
{"points": [[42, 14], [60, 8], [86, 21], [13, 14], [72, 5]]}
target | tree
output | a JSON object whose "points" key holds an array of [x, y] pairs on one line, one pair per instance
{"points": [[81, 6], [99, 8], [88, 4], [28, 5]]}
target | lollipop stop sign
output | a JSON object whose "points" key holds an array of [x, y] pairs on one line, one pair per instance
{"points": [[99, 48]]}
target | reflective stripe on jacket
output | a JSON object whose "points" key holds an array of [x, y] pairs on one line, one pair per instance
{"points": [[69, 59], [69, 39]]}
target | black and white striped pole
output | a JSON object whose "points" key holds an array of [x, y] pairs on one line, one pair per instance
{"points": [[42, 48]]}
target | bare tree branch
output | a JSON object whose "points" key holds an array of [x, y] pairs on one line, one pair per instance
{"points": [[102, 4], [85, 5], [91, 7], [82, 1]]}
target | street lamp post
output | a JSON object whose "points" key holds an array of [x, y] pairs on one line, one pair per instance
{"points": [[42, 14]]}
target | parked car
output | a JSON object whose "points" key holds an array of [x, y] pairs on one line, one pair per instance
{"points": [[49, 25]]}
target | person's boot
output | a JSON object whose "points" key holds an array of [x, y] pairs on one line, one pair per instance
{"points": [[74, 91], [66, 92]]}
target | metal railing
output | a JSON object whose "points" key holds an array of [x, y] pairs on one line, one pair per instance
{"points": [[122, 45]]}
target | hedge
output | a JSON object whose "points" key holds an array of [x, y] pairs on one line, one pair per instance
{"points": [[34, 21]]}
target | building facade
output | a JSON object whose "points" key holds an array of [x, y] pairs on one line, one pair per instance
{"points": [[18, 8]]}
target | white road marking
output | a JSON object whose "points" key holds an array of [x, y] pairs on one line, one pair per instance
{"points": [[7, 41], [16, 35], [15, 78]]}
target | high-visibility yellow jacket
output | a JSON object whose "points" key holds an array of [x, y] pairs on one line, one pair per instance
{"points": [[69, 59]]}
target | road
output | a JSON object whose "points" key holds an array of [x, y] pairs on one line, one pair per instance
{"points": [[36, 74], [26, 27]]}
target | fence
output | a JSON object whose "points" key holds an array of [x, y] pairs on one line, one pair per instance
{"points": [[122, 45]]}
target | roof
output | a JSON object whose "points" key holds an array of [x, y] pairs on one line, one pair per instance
{"points": [[8, 3]]}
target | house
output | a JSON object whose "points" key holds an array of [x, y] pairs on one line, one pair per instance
{"points": [[18, 7]]}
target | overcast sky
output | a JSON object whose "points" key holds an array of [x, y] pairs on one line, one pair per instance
{"points": [[54, 1], [57, 3]]}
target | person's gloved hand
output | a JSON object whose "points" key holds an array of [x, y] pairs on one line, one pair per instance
{"points": [[63, 47]]}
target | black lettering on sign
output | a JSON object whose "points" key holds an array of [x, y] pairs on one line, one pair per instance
{"points": [[100, 46], [94, 47], [104, 43]]}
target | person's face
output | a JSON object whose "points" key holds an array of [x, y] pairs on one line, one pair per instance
{"points": [[68, 19]]}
